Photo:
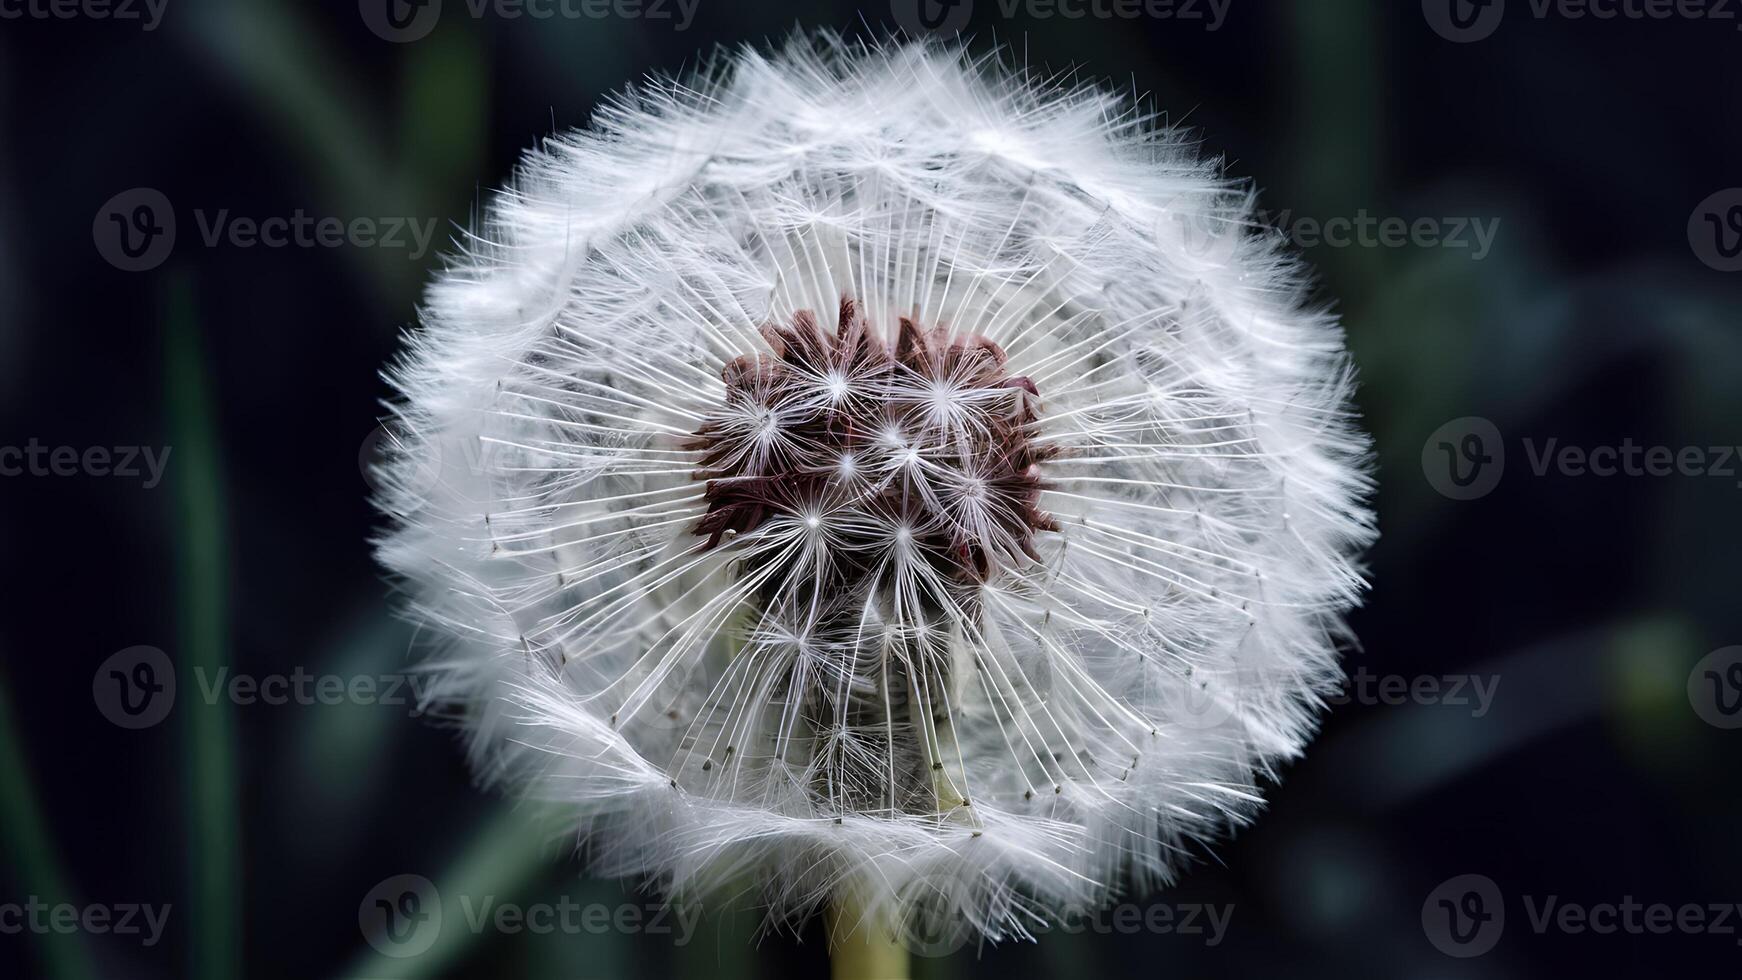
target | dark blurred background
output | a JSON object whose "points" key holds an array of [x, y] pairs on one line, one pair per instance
{"points": [[1596, 613]]}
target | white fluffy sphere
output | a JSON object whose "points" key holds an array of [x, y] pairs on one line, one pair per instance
{"points": [[872, 470]]}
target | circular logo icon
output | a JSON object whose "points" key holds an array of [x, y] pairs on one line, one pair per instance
{"points": [[412, 480], [922, 17], [935, 926], [135, 688], [1465, 916], [401, 916], [1213, 236], [1464, 21], [1465, 458], [135, 230], [1197, 704], [1715, 230], [1715, 688], [400, 21]]}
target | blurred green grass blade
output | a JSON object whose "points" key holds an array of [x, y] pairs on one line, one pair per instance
{"points": [[609, 954], [214, 823], [266, 46], [337, 765], [1647, 678], [724, 944], [1337, 83], [269, 48], [441, 118], [29, 852]]}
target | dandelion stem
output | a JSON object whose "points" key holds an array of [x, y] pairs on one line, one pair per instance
{"points": [[862, 943]]}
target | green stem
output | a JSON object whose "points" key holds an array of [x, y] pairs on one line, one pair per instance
{"points": [[28, 849], [863, 947], [214, 820]]}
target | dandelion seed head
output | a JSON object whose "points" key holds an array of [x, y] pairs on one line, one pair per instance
{"points": [[874, 480]]}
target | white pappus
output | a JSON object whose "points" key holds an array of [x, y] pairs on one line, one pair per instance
{"points": [[874, 471]]}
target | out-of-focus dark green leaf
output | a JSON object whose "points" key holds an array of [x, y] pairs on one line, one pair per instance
{"points": [[202, 586]]}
